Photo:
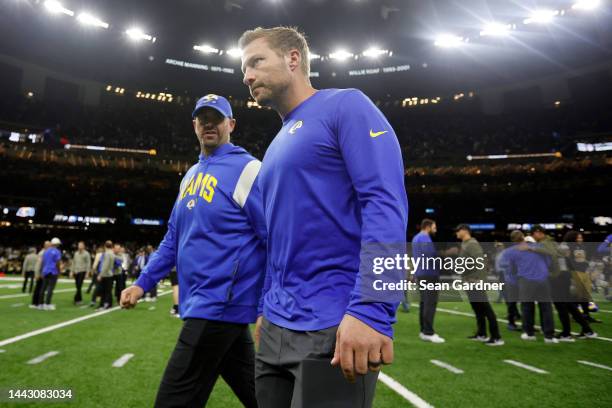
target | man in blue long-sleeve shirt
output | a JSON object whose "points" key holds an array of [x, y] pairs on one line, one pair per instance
{"points": [[216, 238], [423, 246], [332, 182], [532, 270]]}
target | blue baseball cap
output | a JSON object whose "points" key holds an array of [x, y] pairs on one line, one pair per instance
{"points": [[213, 101]]}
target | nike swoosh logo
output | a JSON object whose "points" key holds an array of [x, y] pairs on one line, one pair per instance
{"points": [[376, 134]]}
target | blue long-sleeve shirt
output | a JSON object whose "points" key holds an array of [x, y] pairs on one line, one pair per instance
{"points": [[527, 264], [423, 247], [216, 237], [332, 181]]}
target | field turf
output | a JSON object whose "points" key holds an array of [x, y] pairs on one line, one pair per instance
{"points": [[87, 350]]}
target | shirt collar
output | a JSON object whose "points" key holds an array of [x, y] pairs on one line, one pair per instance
{"points": [[219, 151]]}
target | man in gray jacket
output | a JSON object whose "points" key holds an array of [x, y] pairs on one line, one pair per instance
{"points": [[28, 268], [105, 276], [81, 266]]}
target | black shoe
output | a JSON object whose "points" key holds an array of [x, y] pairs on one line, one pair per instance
{"points": [[476, 337], [513, 327]]}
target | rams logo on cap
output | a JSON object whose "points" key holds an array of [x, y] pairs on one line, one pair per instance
{"points": [[296, 126], [210, 98]]}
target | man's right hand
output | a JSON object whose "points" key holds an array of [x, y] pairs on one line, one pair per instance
{"points": [[130, 296]]}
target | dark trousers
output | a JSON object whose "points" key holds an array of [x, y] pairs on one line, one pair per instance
{"points": [[92, 284], [48, 286], [38, 284], [564, 309], [427, 306], [106, 292], [511, 295], [206, 349], [484, 312], [28, 276], [529, 293], [292, 370], [79, 277], [119, 281]]}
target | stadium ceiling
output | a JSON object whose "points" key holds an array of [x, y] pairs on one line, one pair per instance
{"points": [[477, 41]]}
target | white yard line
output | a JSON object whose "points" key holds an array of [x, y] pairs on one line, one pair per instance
{"points": [[121, 361], [458, 313], [17, 304], [2, 351], [605, 367], [526, 367], [403, 391], [30, 295], [62, 324], [604, 311], [43, 357], [447, 366], [60, 280]]}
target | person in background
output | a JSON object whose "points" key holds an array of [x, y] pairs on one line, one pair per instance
{"points": [[118, 252], [605, 250], [94, 271], [105, 277], [38, 283], [471, 249], [423, 246], [50, 271], [28, 268], [578, 263], [531, 269], [509, 277], [81, 266]]}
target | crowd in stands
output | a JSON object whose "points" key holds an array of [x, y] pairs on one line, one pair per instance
{"points": [[429, 133]]}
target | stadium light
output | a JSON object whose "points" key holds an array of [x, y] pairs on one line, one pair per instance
{"points": [[88, 19], [448, 41], [496, 30], [55, 7], [541, 16], [136, 34], [341, 55], [206, 49], [313, 56], [234, 52], [586, 5], [374, 52]]}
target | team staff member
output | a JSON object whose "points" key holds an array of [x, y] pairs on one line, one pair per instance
{"points": [[81, 266], [422, 246], [470, 248], [106, 266], [332, 179], [50, 270], [28, 268], [38, 281], [216, 237]]}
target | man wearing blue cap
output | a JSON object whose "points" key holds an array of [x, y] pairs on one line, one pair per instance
{"points": [[216, 238]]}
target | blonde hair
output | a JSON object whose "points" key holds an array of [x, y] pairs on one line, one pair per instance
{"points": [[281, 39]]}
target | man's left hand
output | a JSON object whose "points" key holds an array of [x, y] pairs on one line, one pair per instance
{"points": [[360, 348]]}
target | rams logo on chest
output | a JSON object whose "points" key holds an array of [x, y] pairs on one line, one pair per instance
{"points": [[202, 185]]}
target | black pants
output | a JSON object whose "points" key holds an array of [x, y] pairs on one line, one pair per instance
{"points": [[106, 292], [530, 292], [484, 312], [38, 284], [565, 306], [78, 281], [206, 349], [92, 284], [119, 281], [48, 287], [29, 275], [511, 295], [427, 307]]}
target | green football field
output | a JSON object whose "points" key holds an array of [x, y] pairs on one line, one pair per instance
{"points": [[86, 350]]}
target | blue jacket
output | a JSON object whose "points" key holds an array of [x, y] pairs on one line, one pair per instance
{"points": [[604, 247], [49, 261], [422, 246], [332, 181], [527, 264], [216, 237]]}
